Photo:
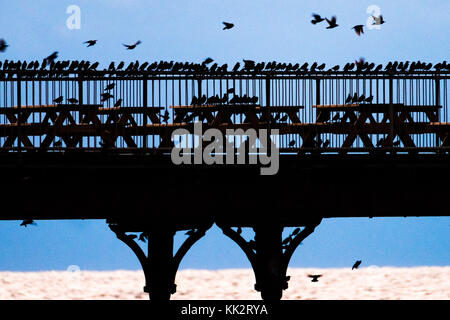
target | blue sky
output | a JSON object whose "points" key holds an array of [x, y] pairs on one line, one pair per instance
{"points": [[191, 31]]}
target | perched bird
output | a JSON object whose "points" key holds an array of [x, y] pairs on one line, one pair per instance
{"points": [[52, 57], [336, 117], [314, 277], [72, 100], [356, 265], [165, 117], [121, 65], [227, 25], [369, 99], [355, 98], [90, 43], [3, 45], [58, 100], [118, 103], [361, 98], [349, 98], [326, 144], [132, 46], [378, 20], [284, 118], [57, 144], [396, 143], [208, 60], [109, 87], [332, 23], [292, 143], [236, 67], [359, 29], [142, 237], [27, 222], [239, 230], [317, 18]]}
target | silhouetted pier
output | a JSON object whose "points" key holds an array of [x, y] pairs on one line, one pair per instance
{"points": [[351, 144]]}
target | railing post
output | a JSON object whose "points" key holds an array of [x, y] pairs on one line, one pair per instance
{"points": [[80, 99], [268, 115], [391, 111], [19, 109], [438, 102], [145, 105]]}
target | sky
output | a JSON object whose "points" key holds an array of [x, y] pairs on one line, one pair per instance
{"points": [[191, 30]]}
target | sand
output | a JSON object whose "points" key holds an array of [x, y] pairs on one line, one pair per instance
{"points": [[374, 283]]}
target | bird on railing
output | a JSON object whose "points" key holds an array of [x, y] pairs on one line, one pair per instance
{"points": [[284, 118], [132, 46], [361, 98], [94, 66], [143, 66], [292, 143], [359, 29], [72, 100], [57, 144], [58, 100], [317, 18], [332, 23], [326, 144], [208, 60], [336, 117], [314, 277], [349, 67], [166, 116], [90, 43], [27, 222], [313, 67], [349, 98], [120, 65], [236, 67], [396, 143], [227, 25], [355, 98], [118, 103], [356, 264], [304, 67], [52, 57], [378, 68], [321, 67], [369, 99]]}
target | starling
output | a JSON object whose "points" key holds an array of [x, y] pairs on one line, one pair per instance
{"points": [[317, 18], [227, 25], [91, 43], [332, 23], [356, 265], [314, 277], [359, 29]]}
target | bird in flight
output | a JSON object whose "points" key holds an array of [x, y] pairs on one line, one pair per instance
{"points": [[359, 29], [378, 20], [332, 23], [3, 45], [317, 18], [91, 42], [227, 25], [27, 222], [356, 265], [132, 46], [314, 277]]}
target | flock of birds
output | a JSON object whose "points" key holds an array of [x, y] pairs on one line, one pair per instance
{"points": [[332, 23]]}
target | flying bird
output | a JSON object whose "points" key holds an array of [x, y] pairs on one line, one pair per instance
{"points": [[317, 18], [3, 45], [356, 264], [332, 23], [132, 46], [227, 25], [359, 29], [378, 20], [90, 43], [27, 222], [314, 277]]}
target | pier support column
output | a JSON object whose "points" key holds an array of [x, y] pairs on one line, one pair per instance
{"points": [[160, 265], [269, 255]]}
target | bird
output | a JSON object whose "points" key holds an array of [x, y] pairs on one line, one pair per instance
{"points": [[27, 222], [314, 277], [3, 45], [90, 43], [336, 117], [349, 98], [121, 65], [356, 264], [332, 23], [239, 230], [317, 18], [326, 144], [396, 143], [118, 103], [361, 98], [292, 143], [359, 29], [369, 99], [58, 100], [52, 57], [378, 20], [227, 25], [72, 100], [355, 98], [208, 60], [132, 46], [284, 118], [57, 144], [106, 96], [142, 237], [166, 116], [109, 87]]}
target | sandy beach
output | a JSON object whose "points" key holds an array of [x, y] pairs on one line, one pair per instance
{"points": [[374, 283]]}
